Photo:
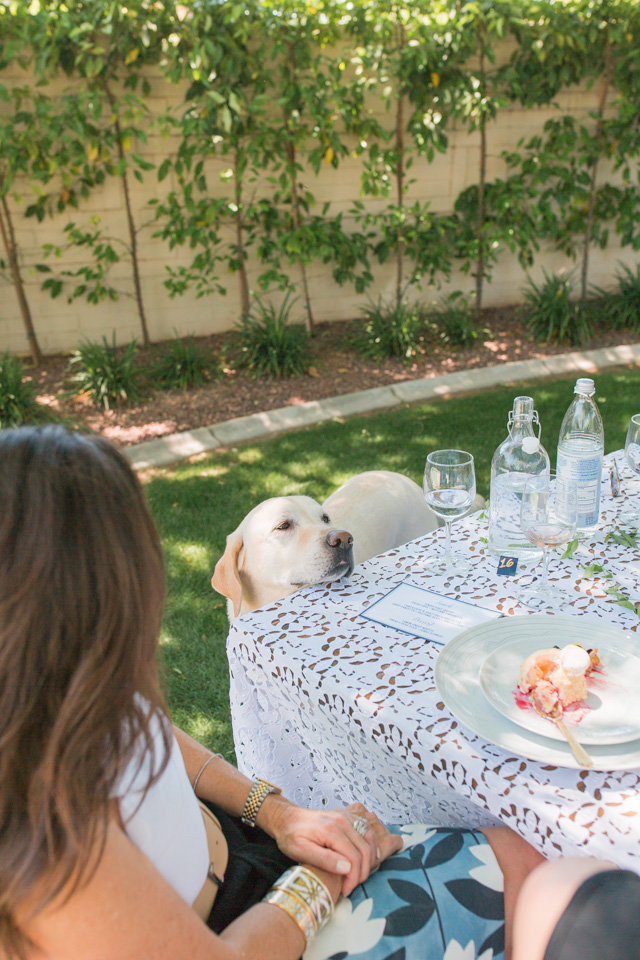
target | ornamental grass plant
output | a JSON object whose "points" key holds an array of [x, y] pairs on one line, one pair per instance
{"points": [[269, 345], [454, 321], [621, 307], [106, 373], [553, 315], [18, 403], [183, 364], [390, 330]]}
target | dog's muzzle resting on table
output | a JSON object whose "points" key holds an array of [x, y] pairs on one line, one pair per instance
{"points": [[287, 542]]}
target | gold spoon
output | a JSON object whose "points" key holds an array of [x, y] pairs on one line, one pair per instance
{"points": [[577, 749]]}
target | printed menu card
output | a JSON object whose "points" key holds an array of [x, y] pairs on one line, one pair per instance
{"points": [[425, 614]]}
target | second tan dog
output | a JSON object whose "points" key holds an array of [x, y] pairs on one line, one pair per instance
{"points": [[287, 542]]}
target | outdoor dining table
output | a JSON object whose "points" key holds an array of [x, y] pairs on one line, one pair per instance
{"points": [[334, 707]]}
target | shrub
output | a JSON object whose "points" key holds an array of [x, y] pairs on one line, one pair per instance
{"points": [[552, 315], [183, 364], [18, 402], [269, 346], [390, 331], [454, 321], [105, 373], [621, 308]]}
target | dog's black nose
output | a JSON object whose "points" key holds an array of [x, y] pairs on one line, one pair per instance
{"points": [[339, 538]]}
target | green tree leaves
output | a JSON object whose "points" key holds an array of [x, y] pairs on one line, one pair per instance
{"points": [[278, 98]]}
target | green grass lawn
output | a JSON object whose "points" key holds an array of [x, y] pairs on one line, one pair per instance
{"points": [[197, 504]]}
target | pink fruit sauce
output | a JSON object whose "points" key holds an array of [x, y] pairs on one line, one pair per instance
{"points": [[574, 712]]}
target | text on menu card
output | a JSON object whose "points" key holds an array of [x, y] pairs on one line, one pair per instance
{"points": [[425, 614]]}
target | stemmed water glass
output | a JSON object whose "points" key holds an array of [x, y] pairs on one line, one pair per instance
{"points": [[632, 444], [632, 456], [548, 518], [449, 488]]}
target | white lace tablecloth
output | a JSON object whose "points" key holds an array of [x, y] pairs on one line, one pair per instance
{"points": [[335, 708]]}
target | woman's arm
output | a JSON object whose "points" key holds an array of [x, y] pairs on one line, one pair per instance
{"points": [[127, 911], [325, 839], [220, 782]]}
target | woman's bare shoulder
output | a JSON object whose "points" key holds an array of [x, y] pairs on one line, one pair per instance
{"points": [[126, 910]]}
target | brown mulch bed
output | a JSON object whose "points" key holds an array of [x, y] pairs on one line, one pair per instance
{"points": [[335, 369]]}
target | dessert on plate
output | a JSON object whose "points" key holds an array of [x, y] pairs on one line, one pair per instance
{"points": [[554, 678]]}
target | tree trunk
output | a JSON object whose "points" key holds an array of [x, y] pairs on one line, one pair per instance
{"points": [[400, 173], [295, 209], [133, 233], [295, 214], [604, 90], [239, 225], [9, 240], [400, 196], [480, 262]]}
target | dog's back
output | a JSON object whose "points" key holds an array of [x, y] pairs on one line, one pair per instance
{"points": [[381, 509]]}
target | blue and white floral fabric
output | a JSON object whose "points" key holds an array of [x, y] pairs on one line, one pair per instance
{"points": [[439, 898]]}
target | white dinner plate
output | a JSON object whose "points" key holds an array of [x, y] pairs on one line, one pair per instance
{"points": [[457, 676], [609, 714]]}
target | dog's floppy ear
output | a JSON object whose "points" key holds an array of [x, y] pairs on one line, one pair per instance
{"points": [[225, 577]]}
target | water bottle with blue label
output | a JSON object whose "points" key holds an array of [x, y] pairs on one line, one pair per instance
{"points": [[519, 457], [581, 450]]}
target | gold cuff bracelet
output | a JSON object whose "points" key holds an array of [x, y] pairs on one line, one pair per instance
{"points": [[304, 897]]}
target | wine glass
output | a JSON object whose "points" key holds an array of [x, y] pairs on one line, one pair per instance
{"points": [[632, 444], [632, 456], [548, 518], [449, 488]]}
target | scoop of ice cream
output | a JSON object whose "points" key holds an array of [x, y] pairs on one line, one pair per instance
{"points": [[555, 678], [574, 660]]}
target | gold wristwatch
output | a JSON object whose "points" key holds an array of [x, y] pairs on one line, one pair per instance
{"points": [[258, 793]]}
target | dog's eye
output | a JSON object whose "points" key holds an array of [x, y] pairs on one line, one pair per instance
{"points": [[285, 525], [325, 518]]}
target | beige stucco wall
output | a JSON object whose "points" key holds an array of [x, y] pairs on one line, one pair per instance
{"points": [[60, 325]]}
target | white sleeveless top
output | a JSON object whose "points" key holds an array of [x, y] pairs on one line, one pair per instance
{"points": [[167, 826]]}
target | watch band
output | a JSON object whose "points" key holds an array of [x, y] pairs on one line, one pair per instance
{"points": [[258, 793]]}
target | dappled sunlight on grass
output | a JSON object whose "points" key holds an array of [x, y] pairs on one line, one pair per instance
{"points": [[216, 734], [250, 455], [195, 556]]}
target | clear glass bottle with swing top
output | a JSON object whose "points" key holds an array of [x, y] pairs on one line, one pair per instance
{"points": [[519, 457]]}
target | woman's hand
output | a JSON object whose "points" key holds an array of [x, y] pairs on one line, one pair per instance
{"points": [[328, 839], [321, 838]]}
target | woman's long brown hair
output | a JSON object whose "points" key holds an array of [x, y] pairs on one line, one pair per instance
{"points": [[81, 599]]}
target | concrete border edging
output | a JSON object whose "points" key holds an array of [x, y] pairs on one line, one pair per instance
{"points": [[164, 451]]}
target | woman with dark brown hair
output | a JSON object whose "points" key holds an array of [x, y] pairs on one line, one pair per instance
{"points": [[105, 852]]}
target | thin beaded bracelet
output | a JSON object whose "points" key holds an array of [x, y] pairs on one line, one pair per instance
{"points": [[301, 894]]}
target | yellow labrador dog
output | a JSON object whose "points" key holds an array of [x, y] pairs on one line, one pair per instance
{"points": [[287, 542]]}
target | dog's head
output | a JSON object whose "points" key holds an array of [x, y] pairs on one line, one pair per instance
{"points": [[282, 544]]}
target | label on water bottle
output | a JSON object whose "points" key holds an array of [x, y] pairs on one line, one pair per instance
{"points": [[507, 566], [577, 461]]}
